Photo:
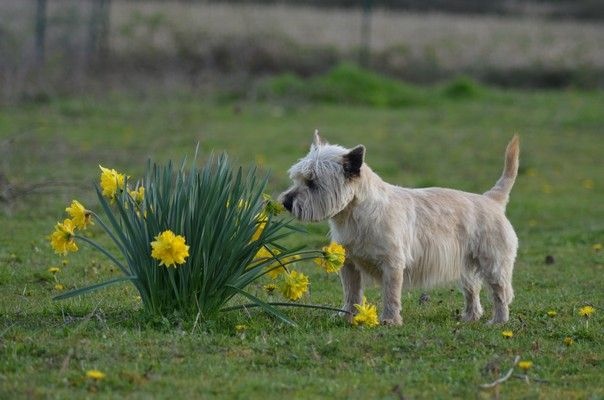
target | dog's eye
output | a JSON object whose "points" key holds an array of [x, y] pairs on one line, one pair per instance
{"points": [[310, 183]]}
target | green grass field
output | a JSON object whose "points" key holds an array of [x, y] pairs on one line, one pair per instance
{"points": [[557, 208]]}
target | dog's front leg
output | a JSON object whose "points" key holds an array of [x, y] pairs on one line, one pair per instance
{"points": [[392, 285], [353, 288]]}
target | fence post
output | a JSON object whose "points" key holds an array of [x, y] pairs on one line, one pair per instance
{"points": [[40, 32], [364, 53], [98, 30]]}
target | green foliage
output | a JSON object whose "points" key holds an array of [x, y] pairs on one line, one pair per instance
{"points": [[221, 215], [349, 84]]}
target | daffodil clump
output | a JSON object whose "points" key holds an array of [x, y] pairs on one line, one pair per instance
{"points": [[183, 245]]}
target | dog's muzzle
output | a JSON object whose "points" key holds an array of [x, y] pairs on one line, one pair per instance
{"points": [[288, 201]]}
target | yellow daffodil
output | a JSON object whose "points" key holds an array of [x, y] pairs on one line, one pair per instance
{"points": [[270, 288], [366, 314], [62, 239], [53, 270], [240, 328], [112, 182], [525, 365], [273, 269], [586, 311], [95, 374], [568, 341], [507, 334], [272, 207], [80, 216], [596, 247], [169, 249], [58, 287], [333, 258], [137, 195], [294, 285], [261, 219], [552, 313]]}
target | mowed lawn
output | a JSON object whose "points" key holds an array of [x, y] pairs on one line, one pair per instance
{"points": [[557, 208]]}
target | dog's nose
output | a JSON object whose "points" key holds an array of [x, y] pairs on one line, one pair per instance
{"points": [[288, 201]]}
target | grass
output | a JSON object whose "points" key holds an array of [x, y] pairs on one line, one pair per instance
{"points": [[458, 141]]}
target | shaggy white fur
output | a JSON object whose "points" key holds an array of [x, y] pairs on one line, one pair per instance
{"points": [[407, 238]]}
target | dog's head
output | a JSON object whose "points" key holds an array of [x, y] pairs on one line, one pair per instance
{"points": [[324, 182]]}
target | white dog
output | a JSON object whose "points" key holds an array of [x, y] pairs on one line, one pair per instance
{"points": [[408, 238]]}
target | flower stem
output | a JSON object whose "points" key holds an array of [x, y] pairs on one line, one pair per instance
{"points": [[102, 250], [251, 305]]}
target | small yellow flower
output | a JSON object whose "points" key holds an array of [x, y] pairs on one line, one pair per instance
{"points": [[547, 188], [366, 314], [333, 258], [53, 270], [62, 239], [596, 247], [64, 262], [552, 313], [272, 207], [112, 182], [568, 341], [240, 328], [80, 216], [138, 195], [507, 334], [273, 269], [294, 285], [169, 249], [95, 374], [261, 219], [525, 365], [270, 288], [532, 172], [586, 311], [59, 287], [587, 184]]}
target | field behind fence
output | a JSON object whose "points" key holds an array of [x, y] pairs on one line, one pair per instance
{"points": [[128, 42]]}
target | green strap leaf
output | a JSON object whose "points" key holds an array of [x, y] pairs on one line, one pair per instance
{"points": [[77, 292], [265, 306]]}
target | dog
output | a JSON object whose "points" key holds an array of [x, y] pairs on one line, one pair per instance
{"points": [[407, 238]]}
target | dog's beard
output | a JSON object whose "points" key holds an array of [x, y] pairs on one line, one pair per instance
{"points": [[319, 206]]}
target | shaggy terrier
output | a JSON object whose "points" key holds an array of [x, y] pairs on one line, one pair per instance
{"points": [[406, 238]]}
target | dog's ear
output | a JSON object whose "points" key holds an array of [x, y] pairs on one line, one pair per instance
{"points": [[353, 161], [317, 139]]}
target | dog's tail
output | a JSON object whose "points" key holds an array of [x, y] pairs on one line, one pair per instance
{"points": [[501, 191]]}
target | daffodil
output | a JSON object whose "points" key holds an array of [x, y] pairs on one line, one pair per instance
{"points": [[568, 341], [507, 334], [169, 249], [80, 216], [95, 374], [261, 221], [552, 313], [138, 195], [53, 270], [273, 269], [112, 182], [596, 247], [62, 239], [366, 314], [525, 365], [270, 288], [586, 311], [294, 285], [240, 328], [272, 207], [59, 287], [333, 258]]}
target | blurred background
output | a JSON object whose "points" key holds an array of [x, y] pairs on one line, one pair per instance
{"points": [[58, 47]]}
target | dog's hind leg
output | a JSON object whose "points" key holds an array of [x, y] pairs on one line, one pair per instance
{"points": [[470, 285], [392, 285], [353, 288], [502, 293]]}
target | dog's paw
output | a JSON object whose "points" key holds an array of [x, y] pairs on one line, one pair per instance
{"points": [[497, 321], [470, 317], [395, 321]]}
